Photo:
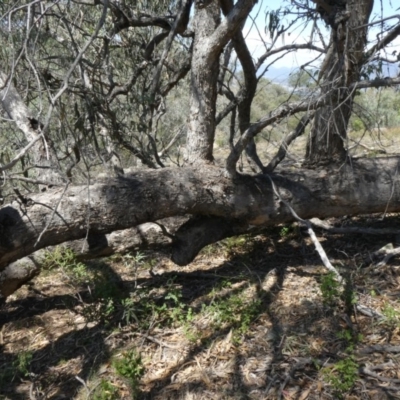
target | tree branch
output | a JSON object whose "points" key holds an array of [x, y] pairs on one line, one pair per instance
{"points": [[382, 43], [280, 155], [229, 25]]}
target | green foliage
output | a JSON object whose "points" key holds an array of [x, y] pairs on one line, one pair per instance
{"points": [[392, 316], [137, 259], [330, 289], [130, 367], [285, 231], [19, 367], [376, 108], [142, 307], [350, 338], [59, 257], [235, 241], [342, 375], [235, 310], [303, 78], [105, 391], [269, 96], [273, 19], [357, 124], [105, 294], [23, 362]]}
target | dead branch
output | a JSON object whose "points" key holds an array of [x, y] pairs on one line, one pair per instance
{"points": [[282, 151], [355, 230], [367, 371], [380, 348], [313, 237]]}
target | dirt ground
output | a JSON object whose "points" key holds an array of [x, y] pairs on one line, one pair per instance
{"points": [[254, 317]]}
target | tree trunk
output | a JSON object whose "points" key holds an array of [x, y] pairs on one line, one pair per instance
{"points": [[210, 38], [44, 155], [203, 86], [223, 206], [143, 237], [340, 69]]}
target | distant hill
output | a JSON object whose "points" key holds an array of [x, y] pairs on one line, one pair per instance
{"points": [[280, 75]]}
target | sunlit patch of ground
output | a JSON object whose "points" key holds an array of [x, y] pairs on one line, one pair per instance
{"points": [[249, 319]]}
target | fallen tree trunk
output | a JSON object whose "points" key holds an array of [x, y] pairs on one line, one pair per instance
{"points": [[222, 206], [144, 236]]}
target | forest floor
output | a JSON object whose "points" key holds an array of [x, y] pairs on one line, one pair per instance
{"points": [[253, 317]]}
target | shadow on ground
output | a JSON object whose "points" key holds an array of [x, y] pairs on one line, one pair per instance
{"points": [[290, 336]]}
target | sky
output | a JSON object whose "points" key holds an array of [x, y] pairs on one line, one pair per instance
{"points": [[301, 34]]}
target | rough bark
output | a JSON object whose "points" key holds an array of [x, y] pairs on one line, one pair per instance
{"points": [[203, 86], [340, 69], [235, 205], [210, 38]]}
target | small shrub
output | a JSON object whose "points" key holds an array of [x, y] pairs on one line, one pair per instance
{"points": [[105, 391], [66, 259], [342, 375], [330, 289], [23, 362], [392, 316], [131, 368]]}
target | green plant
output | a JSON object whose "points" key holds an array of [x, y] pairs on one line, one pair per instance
{"points": [[392, 316], [129, 310], [22, 362], [341, 375], [350, 337], [235, 241], [130, 367], [66, 259], [105, 391], [137, 259], [357, 124], [235, 310], [330, 289], [58, 257], [285, 231]]}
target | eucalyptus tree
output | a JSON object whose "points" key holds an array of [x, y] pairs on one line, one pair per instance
{"points": [[87, 86]]}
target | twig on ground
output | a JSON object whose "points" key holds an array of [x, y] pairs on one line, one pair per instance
{"points": [[362, 309], [313, 237], [299, 365], [369, 312], [367, 371], [390, 254], [380, 348], [79, 379], [368, 231], [157, 341]]}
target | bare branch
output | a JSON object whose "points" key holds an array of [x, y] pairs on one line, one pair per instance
{"points": [[280, 155], [382, 43], [229, 25], [20, 154], [173, 31], [293, 108]]}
